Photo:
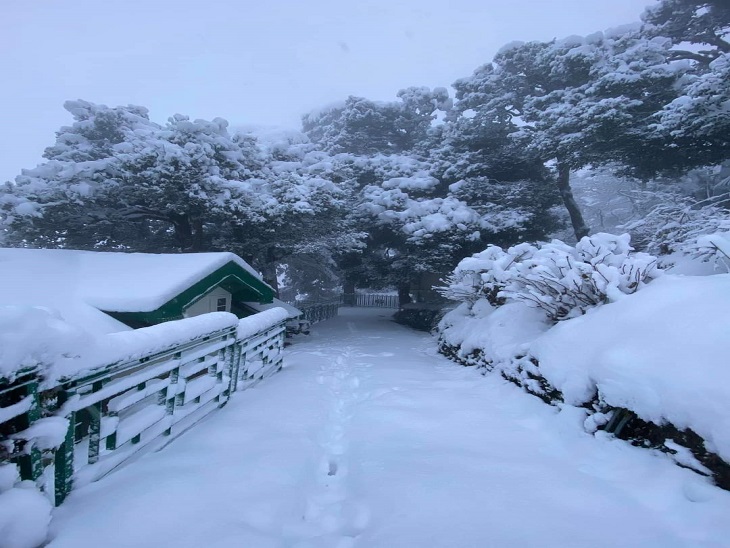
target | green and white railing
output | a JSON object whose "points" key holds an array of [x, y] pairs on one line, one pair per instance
{"points": [[71, 431]]}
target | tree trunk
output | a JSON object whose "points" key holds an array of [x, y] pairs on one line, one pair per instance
{"points": [[198, 242], [404, 297], [183, 230], [269, 274], [268, 270], [349, 292], [576, 217]]}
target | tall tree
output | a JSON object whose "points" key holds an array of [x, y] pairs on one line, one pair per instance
{"points": [[62, 202], [704, 23], [115, 180], [364, 127], [573, 102]]}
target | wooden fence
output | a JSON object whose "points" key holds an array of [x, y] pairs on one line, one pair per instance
{"points": [[111, 413], [373, 300]]}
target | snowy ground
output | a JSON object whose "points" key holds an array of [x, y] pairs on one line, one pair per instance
{"points": [[368, 438]]}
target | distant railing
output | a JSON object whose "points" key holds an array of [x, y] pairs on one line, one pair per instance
{"points": [[315, 312], [375, 300], [103, 417]]}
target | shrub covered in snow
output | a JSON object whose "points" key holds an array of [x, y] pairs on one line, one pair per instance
{"points": [[711, 248], [651, 357], [561, 280], [680, 227]]}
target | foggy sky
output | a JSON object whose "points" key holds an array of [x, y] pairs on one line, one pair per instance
{"points": [[253, 63]]}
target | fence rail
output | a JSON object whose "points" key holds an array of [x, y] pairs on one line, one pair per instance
{"points": [[113, 412]]}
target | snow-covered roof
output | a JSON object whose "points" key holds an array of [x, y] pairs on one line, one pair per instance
{"points": [[79, 284]]}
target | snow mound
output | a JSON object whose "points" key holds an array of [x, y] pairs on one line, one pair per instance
{"points": [[499, 333], [661, 353], [24, 517]]}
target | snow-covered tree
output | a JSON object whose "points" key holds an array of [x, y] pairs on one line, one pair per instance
{"points": [[115, 180], [704, 23], [364, 127], [191, 175], [696, 124], [483, 166], [574, 102], [425, 196], [63, 202], [302, 201]]}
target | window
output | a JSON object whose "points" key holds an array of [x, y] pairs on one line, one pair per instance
{"points": [[222, 305]]}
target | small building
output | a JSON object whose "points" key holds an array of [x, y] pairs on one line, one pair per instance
{"points": [[82, 390], [108, 292]]}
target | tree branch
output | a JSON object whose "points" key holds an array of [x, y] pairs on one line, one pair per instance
{"points": [[678, 54], [719, 43], [139, 212]]}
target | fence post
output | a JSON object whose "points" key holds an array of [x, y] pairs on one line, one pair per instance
{"points": [[235, 367], [64, 462], [31, 465], [95, 411], [171, 397]]}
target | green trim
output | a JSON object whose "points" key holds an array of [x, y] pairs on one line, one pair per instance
{"points": [[241, 284]]}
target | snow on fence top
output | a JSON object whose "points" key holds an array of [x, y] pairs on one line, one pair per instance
{"points": [[115, 282], [258, 322], [36, 338], [292, 311]]}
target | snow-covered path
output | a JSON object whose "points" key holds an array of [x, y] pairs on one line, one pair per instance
{"points": [[368, 438]]}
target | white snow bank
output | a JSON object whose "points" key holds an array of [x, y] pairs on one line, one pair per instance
{"points": [[24, 517], [258, 322], [662, 353]]}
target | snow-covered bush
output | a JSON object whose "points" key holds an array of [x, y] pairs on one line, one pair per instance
{"points": [[648, 359], [713, 248], [483, 275], [561, 280], [681, 226]]}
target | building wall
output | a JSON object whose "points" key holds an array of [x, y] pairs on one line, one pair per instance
{"points": [[209, 303]]}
